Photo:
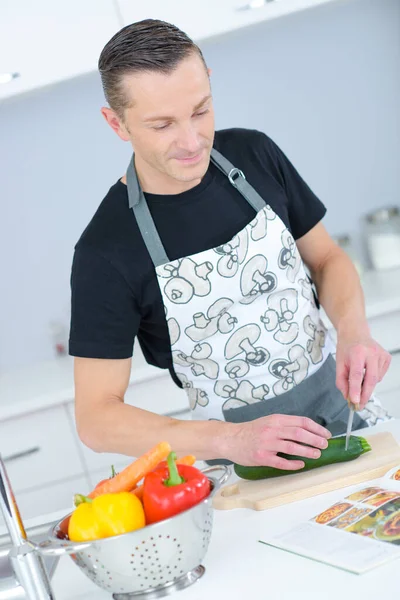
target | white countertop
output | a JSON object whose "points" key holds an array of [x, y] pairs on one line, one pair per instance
{"points": [[382, 292], [235, 560], [50, 383]]}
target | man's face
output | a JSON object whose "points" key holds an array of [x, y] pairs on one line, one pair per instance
{"points": [[171, 120]]}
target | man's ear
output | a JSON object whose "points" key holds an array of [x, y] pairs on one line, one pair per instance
{"points": [[115, 123]]}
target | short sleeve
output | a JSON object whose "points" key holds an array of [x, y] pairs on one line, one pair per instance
{"points": [[104, 317], [305, 209]]}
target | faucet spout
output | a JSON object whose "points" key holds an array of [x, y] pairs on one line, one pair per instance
{"points": [[25, 560]]}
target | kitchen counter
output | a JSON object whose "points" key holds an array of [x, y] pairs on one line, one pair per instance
{"points": [[235, 560], [382, 292], [46, 384]]}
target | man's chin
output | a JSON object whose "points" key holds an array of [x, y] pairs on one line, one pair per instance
{"points": [[193, 173]]}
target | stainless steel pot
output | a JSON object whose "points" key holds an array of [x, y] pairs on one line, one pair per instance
{"points": [[150, 562]]}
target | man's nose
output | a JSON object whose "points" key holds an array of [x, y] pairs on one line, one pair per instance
{"points": [[189, 139]]}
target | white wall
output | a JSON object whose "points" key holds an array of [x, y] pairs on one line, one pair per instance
{"points": [[324, 84]]}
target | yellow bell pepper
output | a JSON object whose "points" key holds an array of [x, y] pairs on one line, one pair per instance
{"points": [[105, 516]]}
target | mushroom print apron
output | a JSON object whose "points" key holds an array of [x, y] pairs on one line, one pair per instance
{"points": [[245, 331]]}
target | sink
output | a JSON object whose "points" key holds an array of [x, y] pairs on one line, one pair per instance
{"points": [[10, 588]]}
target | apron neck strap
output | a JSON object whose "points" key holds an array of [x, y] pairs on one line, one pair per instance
{"points": [[147, 227], [238, 180], [137, 202]]}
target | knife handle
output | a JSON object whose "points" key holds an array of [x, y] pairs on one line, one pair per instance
{"points": [[352, 405]]}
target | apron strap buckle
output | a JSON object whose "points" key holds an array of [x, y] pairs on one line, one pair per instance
{"points": [[234, 174]]}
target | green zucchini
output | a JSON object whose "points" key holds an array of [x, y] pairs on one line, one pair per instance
{"points": [[334, 453]]}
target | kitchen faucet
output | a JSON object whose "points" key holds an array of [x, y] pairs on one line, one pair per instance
{"points": [[24, 555]]}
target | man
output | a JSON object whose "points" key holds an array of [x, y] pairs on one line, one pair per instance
{"points": [[194, 252]]}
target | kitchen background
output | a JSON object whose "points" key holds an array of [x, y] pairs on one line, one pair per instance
{"points": [[323, 82]]}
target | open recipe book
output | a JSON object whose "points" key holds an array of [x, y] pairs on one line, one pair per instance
{"points": [[357, 534]]}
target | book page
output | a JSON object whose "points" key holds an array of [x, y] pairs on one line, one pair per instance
{"points": [[393, 475], [357, 533], [357, 555]]}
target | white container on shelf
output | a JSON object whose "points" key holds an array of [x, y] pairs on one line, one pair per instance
{"points": [[383, 237], [346, 243]]}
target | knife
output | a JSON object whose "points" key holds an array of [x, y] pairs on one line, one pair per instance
{"points": [[352, 408], [349, 424]]}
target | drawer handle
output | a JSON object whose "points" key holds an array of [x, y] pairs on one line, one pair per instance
{"points": [[21, 454]]}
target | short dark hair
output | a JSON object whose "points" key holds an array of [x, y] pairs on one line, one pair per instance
{"points": [[148, 45]]}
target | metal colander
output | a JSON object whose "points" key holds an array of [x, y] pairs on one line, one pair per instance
{"points": [[148, 562]]}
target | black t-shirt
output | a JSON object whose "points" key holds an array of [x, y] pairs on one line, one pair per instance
{"points": [[115, 294]]}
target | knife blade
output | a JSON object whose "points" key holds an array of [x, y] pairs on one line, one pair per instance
{"points": [[349, 424]]}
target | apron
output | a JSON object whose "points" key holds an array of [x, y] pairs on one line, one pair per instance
{"points": [[245, 329]]}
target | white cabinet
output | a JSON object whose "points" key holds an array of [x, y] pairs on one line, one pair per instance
{"points": [[47, 41], [57, 457], [209, 18], [51, 498], [43, 461]]}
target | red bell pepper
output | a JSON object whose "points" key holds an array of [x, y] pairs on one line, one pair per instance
{"points": [[170, 490]]}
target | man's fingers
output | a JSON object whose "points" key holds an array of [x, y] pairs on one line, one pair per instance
{"points": [[284, 421], [384, 364], [381, 369], [283, 463], [302, 436], [294, 449], [356, 376], [371, 378]]}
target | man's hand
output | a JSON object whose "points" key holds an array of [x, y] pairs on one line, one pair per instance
{"points": [[258, 442], [361, 362], [360, 365]]}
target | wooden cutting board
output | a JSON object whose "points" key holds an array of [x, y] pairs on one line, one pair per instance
{"points": [[267, 493]]}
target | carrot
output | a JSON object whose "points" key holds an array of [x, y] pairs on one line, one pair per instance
{"points": [[189, 459], [127, 479], [138, 491], [185, 460]]}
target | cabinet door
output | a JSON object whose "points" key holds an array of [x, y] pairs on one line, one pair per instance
{"points": [[51, 498], [209, 17], [39, 449], [47, 41]]}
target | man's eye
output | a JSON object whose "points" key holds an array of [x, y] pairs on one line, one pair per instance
{"points": [[160, 127], [202, 112]]}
